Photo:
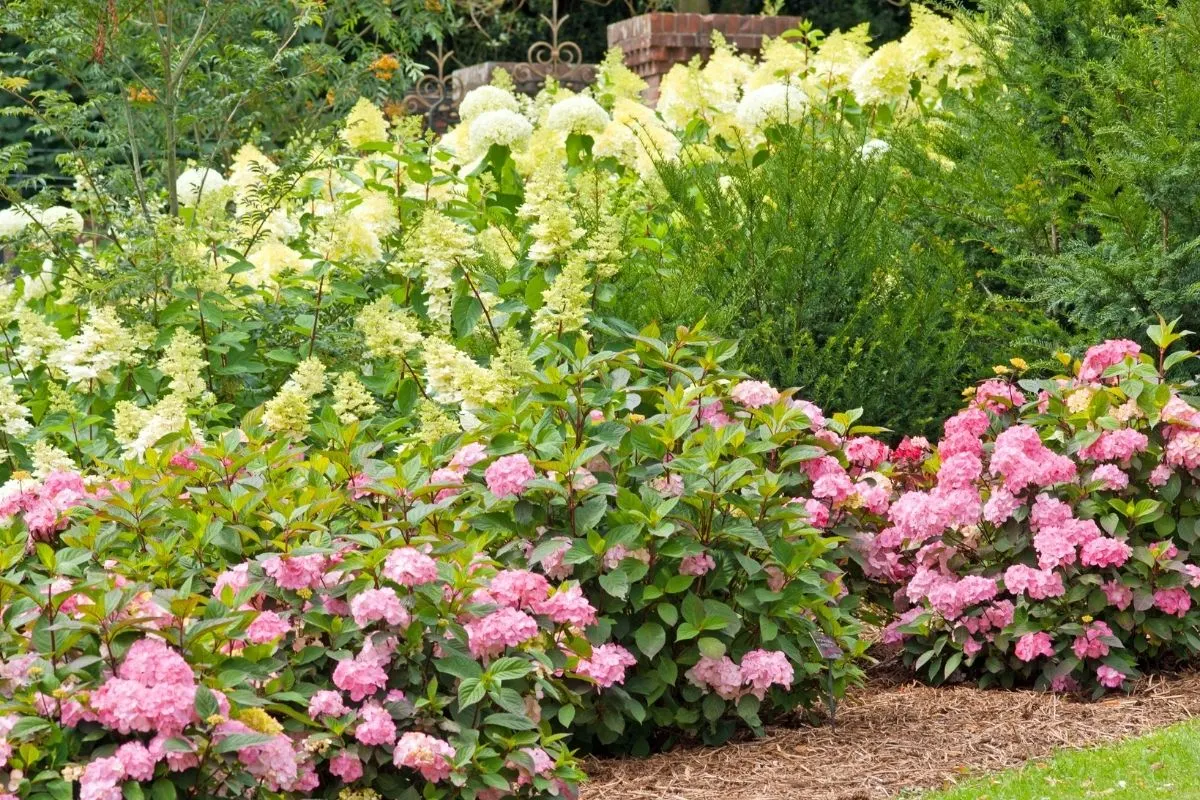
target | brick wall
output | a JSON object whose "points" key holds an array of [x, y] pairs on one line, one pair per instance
{"points": [[653, 43]]}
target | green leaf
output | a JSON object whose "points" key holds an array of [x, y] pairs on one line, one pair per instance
{"points": [[470, 692], [240, 741], [459, 667], [162, 789], [513, 722], [206, 703], [650, 638], [710, 647], [509, 668], [616, 583]]}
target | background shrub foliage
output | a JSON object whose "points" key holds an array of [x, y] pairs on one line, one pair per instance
{"points": [[360, 465]]}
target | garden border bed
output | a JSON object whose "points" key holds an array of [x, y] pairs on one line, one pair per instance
{"points": [[892, 735]]}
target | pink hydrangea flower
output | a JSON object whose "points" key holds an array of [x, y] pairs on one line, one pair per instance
{"points": [[762, 669], [818, 512], [1091, 643], [1054, 548], [866, 451], [408, 566], [816, 417], [1119, 445], [951, 598], [1104, 551], [152, 661], [997, 396], [1118, 594], [754, 394], [448, 477], [720, 675], [364, 674], [1173, 601], [1048, 512], [101, 779], [1184, 450], [267, 627], [1032, 645], [1160, 475], [518, 588], [326, 703], [959, 470], [373, 605], [1039, 584], [1022, 460], [607, 664], [696, 565], [567, 606], [1102, 356], [346, 766], [911, 449], [375, 726], [552, 563], [1111, 476], [712, 413], [468, 456], [1000, 506], [1109, 677], [235, 579], [507, 476], [137, 761], [426, 754], [506, 627], [127, 706], [296, 572], [922, 515], [543, 764], [669, 484]]}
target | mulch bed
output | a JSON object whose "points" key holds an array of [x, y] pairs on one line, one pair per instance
{"points": [[893, 735]]}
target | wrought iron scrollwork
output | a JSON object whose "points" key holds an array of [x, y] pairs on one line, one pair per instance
{"points": [[436, 94]]}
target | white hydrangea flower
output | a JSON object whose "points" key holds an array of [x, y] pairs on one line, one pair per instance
{"points": [[12, 222], [873, 148], [60, 219], [501, 127], [577, 114], [772, 104], [486, 98], [365, 123], [193, 183], [885, 77]]}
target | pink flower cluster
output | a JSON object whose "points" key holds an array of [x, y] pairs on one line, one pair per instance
{"points": [[1091, 643], [408, 566], [152, 692], [1022, 460], [754, 394], [1102, 356], [296, 572], [44, 504], [507, 627], [507, 476], [428, 755], [365, 673], [758, 672], [1032, 645], [607, 664]]}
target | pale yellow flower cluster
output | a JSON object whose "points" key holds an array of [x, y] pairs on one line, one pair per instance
{"points": [[288, 412]]}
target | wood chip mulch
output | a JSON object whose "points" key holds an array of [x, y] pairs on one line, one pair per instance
{"points": [[893, 736]]}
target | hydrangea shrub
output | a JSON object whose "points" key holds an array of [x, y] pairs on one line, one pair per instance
{"points": [[250, 616], [1052, 539], [675, 494]]}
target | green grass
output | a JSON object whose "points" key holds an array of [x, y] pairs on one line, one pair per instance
{"points": [[1165, 764]]}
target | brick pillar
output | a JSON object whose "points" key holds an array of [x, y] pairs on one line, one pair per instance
{"points": [[653, 43]]}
